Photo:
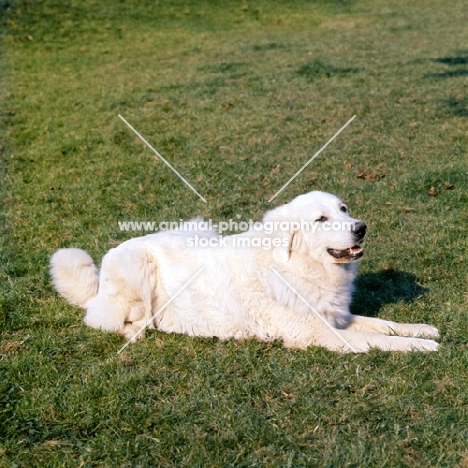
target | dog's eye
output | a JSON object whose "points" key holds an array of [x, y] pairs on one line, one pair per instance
{"points": [[343, 208], [322, 219]]}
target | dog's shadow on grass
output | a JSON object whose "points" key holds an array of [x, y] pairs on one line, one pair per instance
{"points": [[375, 290]]}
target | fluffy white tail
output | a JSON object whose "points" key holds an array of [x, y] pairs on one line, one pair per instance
{"points": [[74, 275]]}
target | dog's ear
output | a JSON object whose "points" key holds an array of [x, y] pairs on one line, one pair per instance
{"points": [[292, 239], [282, 253], [279, 220]]}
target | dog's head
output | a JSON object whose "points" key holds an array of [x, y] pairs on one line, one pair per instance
{"points": [[319, 225]]}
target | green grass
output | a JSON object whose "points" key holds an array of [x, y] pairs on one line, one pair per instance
{"points": [[226, 91]]}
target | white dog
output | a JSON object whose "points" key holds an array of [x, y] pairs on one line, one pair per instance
{"points": [[298, 291]]}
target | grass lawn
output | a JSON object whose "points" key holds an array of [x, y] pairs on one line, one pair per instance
{"points": [[237, 95]]}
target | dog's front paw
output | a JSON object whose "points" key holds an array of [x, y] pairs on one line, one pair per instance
{"points": [[427, 331], [425, 345]]}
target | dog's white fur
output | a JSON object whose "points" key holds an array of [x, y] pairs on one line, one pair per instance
{"points": [[299, 294]]}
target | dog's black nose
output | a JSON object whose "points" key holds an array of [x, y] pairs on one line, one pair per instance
{"points": [[359, 229]]}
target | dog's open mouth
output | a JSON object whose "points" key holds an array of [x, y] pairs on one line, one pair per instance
{"points": [[350, 254]]}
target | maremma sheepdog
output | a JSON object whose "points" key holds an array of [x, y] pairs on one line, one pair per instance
{"points": [[291, 282]]}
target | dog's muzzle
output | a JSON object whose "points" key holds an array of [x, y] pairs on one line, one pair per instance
{"points": [[359, 231], [355, 252]]}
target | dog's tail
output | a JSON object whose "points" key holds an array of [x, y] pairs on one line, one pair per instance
{"points": [[74, 275]]}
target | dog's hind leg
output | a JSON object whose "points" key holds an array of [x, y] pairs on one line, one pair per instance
{"points": [[127, 289]]}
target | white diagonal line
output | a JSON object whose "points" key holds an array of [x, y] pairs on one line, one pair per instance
{"points": [[160, 157], [160, 310], [313, 310], [312, 158]]}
